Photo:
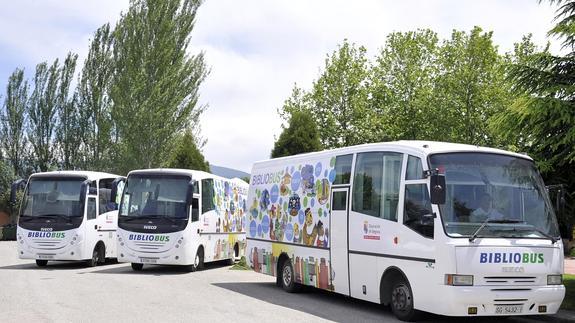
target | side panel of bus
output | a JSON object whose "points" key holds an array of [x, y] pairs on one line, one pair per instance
{"points": [[222, 222], [289, 216]]}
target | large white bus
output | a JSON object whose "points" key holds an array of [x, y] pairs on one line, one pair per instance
{"points": [[69, 215], [444, 228], [181, 217]]}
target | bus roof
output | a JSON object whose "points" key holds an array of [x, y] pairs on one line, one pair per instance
{"points": [[69, 173], [196, 174], [421, 148]]}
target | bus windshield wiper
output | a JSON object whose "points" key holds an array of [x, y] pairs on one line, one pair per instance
{"points": [[541, 232], [488, 220]]}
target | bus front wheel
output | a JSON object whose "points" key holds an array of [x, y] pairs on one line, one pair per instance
{"points": [[137, 267], [41, 263], [402, 301]]}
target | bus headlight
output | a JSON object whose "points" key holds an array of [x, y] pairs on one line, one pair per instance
{"points": [[554, 279], [458, 280]]}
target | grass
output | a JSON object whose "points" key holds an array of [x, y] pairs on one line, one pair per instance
{"points": [[242, 265], [569, 300]]}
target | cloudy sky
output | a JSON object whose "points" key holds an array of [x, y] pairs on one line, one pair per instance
{"points": [[257, 50]]}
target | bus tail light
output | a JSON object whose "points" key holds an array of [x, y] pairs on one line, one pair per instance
{"points": [[458, 280], [554, 279]]}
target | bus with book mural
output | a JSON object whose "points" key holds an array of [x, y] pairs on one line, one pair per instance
{"points": [[68, 215], [181, 217], [399, 223]]}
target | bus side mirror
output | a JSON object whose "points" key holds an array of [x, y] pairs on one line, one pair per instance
{"points": [[16, 185], [117, 190], [437, 188]]}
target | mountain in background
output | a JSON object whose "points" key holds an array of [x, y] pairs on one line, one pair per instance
{"points": [[227, 172]]}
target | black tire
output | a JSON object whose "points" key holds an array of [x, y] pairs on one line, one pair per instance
{"points": [[236, 251], [402, 301], [102, 255], [287, 277], [137, 266], [41, 263], [199, 260], [93, 262]]}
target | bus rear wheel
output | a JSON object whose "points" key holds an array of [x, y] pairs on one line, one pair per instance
{"points": [[41, 263], [402, 301], [137, 267], [287, 277]]}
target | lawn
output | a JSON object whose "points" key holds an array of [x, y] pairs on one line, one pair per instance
{"points": [[569, 300]]}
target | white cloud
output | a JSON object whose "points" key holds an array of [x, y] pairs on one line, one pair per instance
{"points": [[257, 50]]}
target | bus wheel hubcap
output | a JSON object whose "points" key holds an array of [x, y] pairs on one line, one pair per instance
{"points": [[400, 297], [287, 275]]}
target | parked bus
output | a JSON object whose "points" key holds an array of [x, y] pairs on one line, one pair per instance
{"points": [[69, 215], [444, 228], [181, 217]]}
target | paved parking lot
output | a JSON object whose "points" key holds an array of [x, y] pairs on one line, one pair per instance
{"points": [[66, 292]]}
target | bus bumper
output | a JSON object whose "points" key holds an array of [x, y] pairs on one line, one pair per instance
{"points": [[69, 252], [498, 301], [173, 256]]}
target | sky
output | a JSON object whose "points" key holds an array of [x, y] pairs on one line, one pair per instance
{"points": [[258, 50]]}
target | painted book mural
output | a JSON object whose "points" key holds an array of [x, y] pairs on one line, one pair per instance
{"points": [[229, 203], [291, 207]]}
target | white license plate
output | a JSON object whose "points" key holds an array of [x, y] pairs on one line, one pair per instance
{"points": [[148, 260], [45, 256], [508, 309]]}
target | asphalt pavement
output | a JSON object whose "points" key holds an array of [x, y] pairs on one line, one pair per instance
{"points": [[71, 292]]}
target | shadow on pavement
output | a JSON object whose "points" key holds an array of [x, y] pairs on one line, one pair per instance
{"points": [[55, 265], [331, 306], [156, 270]]}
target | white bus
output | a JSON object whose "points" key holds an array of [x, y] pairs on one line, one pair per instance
{"points": [[69, 215], [181, 217], [362, 221]]}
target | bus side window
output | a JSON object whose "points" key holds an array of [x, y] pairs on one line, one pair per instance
{"points": [[105, 195], [195, 209], [207, 195], [417, 212], [376, 184], [342, 169], [414, 168], [91, 209]]}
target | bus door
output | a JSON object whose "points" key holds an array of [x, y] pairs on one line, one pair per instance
{"points": [[339, 239]]}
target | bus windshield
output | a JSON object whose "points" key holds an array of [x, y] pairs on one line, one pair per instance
{"points": [[155, 197], [505, 193], [53, 197]]}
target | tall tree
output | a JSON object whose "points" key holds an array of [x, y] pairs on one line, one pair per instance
{"points": [[300, 136], [43, 114], [186, 154], [156, 80], [471, 87], [339, 98], [13, 121], [95, 105], [403, 86], [545, 116], [67, 132]]}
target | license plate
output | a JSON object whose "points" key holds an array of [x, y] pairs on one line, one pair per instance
{"points": [[508, 309], [45, 256], [148, 260]]}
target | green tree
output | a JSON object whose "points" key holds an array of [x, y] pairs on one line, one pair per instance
{"points": [[339, 98], [471, 87], [43, 114], [155, 86], [67, 129], [13, 121], [300, 136], [95, 105], [544, 117], [186, 154], [403, 86]]}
